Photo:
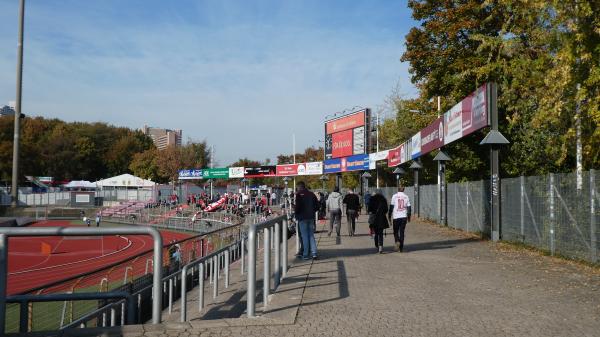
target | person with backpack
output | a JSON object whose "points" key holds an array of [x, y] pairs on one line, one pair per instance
{"points": [[378, 221], [305, 209], [352, 203], [334, 205], [400, 214]]}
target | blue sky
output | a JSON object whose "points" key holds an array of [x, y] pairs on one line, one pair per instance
{"points": [[243, 75]]}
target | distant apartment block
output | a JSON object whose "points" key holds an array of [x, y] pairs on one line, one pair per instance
{"points": [[7, 111], [163, 138]]}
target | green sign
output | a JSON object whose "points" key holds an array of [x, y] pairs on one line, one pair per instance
{"points": [[215, 173]]}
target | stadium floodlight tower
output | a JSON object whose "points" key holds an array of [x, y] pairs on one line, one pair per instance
{"points": [[442, 158], [416, 166], [398, 171]]}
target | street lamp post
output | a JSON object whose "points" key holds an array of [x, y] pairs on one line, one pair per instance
{"points": [[416, 166], [323, 179], [365, 176], [442, 158], [398, 172]]}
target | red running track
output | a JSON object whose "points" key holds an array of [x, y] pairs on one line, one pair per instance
{"points": [[29, 268]]}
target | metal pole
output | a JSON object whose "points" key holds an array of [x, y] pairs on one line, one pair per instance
{"points": [[416, 194], [214, 276], [443, 194], [284, 237], [277, 264], [267, 266], [17, 126], [251, 287], [200, 286], [183, 300], [227, 269], [170, 295], [3, 273], [495, 166], [552, 215], [243, 256], [593, 242], [522, 181]]}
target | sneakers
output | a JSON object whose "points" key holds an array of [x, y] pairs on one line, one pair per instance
{"points": [[315, 257], [397, 247], [306, 258], [380, 250]]}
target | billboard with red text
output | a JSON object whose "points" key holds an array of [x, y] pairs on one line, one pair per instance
{"points": [[347, 136]]}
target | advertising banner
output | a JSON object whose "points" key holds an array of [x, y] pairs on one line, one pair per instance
{"points": [[453, 124], [415, 150], [347, 135], [314, 168], [346, 123], [259, 172], [394, 156], [215, 173], [236, 172], [190, 174], [351, 163], [342, 144], [466, 117], [432, 137], [287, 170]]}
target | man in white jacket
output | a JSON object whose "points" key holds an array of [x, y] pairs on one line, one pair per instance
{"points": [[334, 205]]}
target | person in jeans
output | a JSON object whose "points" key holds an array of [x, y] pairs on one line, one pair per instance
{"points": [[334, 204], [378, 206], [305, 209], [352, 203], [400, 214]]}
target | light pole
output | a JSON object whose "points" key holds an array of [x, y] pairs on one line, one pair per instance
{"points": [[285, 182], [398, 172], [244, 183], [416, 166], [365, 176], [323, 179], [442, 158], [17, 127]]}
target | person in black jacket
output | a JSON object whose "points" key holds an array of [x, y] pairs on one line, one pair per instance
{"points": [[306, 207], [378, 209], [352, 203]]}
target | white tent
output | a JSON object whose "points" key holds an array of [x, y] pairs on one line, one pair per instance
{"points": [[125, 180], [80, 184]]}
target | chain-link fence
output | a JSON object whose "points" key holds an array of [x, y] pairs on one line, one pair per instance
{"points": [[553, 212]]}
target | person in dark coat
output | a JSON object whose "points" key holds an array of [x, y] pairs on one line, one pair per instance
{"points": [[378, 206]]}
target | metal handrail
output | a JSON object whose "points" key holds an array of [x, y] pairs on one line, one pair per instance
{"points": [[274, 225], [5, 233], [24, 301]]}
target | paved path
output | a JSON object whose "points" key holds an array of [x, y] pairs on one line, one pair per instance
{"points": [[445, 284]]}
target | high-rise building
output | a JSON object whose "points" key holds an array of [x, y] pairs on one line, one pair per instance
{"points": [[163, 138]]}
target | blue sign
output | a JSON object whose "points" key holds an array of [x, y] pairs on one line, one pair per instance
{"points": [[358, 162], [190, 174]]}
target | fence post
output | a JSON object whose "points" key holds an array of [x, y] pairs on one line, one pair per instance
{"points": [[267, 266], [243, 254], [201, 286], [552, 215], [593, 243], [3, 271], [284, 237], [183, 299], [468, 194], [522, 183], [214, 276], [277, 264], [227, 269], [251, 283]]}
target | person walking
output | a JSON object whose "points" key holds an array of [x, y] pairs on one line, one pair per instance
{"points": [[352, 206], [334, 205], [400, 214], [378, 221], [97, 219], [305, 209], [367, 199]]}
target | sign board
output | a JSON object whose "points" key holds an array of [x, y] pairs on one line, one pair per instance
{"points": [[347, 136], [351, 163], [314, 168], [287, 170], [259, 172], [394, 156], [215, 173], [190, 174], [415, 150], [432, 137], [468, 116], [236, 172]]}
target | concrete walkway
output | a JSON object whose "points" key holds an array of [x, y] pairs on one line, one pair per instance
{"points": [[445, 284]]}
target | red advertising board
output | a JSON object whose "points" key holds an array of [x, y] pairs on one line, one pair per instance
{"points": [[474, 114], [341, 144], [287, 170], [394, 158], [346, 123], [432, 137]]}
